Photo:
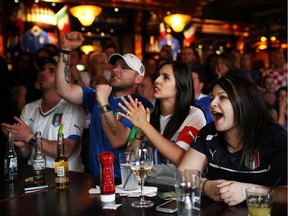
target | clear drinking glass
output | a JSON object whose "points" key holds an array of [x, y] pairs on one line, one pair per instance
{"points": [[141, 163], [259, 201]]}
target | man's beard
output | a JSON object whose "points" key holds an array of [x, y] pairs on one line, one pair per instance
{"points": [[122, 88]]}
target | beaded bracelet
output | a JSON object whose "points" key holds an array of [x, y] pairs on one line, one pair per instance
{"points": [[68, 52], [203, 185]]}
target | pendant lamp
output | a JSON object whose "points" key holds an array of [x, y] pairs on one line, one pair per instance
{"points": [[86, 14], [177, 21]]}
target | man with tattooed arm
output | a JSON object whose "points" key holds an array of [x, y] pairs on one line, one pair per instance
{"points": [[108, 131]]}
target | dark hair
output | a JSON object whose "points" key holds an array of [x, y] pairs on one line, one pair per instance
{"points": [[229, 61], [110, 45], [54, 48], [250, 112], [49, 52], [185, 98], [200, 72], [280, 89], [193, 48]]}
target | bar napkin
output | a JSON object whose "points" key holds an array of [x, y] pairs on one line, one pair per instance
{"points": [[112, 206], [147, 191]]}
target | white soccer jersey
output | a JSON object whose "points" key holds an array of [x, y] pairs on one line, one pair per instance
{"points": [[186, 133], [71, 116]]}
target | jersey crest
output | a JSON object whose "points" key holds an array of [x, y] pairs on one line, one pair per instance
{"points": [[252, 162], [57, 119]]}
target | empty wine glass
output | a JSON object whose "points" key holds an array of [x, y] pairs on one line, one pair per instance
{"points": [[141, 163]]}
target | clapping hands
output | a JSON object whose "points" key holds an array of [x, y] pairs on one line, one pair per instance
{"points": [[135, 113]]}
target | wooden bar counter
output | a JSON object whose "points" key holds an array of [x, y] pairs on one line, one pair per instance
{"points": [[77, 200]]}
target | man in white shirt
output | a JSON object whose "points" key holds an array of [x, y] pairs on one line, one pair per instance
{"points": [[46, 115]]}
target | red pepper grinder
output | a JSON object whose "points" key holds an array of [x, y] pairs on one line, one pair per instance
{"points": [[107, 185]]}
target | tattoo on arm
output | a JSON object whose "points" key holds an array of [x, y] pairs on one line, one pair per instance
{"points": [[109, 124], [66, 61]]}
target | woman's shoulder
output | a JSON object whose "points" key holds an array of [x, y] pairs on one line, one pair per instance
{"points": [[195, 110], [196, 114]]}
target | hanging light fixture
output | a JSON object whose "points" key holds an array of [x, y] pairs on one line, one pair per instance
{"points": [[177, 21], [85, 13]]}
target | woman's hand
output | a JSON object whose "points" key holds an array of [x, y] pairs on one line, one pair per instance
{"points": [[232, 192], [211, 190], [135, 113]]}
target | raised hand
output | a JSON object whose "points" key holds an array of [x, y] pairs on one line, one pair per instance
{"points": [[102, 93], [135, 112], [71, 40]]}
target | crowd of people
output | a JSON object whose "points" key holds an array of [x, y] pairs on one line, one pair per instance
{"points": [[223, 117]]}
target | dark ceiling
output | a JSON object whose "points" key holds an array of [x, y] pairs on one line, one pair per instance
{"points": [[246, 11], [261, 16]]}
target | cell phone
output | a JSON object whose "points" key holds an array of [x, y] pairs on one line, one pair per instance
{"points": [[168, 207]]}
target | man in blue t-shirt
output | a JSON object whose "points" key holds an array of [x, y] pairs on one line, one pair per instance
{"points": [[201, 99], [108, 132]]}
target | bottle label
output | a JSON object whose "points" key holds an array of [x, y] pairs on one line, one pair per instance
{"points": [[59, 180], [60, 171], [13, 163], [39, 164], [10, 168]]}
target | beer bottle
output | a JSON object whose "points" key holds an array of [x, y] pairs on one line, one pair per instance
{"points": [[61, 166], [10, 161], [39, 162]]}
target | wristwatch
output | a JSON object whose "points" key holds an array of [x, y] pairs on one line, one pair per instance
{"points": [[105, 108], [32, 141]]}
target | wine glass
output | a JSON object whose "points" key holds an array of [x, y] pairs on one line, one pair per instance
{"points": [[141, 163]]}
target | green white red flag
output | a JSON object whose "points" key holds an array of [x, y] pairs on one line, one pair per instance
{"points": [[63, 20], [189, 32]]}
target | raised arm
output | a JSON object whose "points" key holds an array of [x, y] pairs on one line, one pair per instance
{"points": [[67, 90]]}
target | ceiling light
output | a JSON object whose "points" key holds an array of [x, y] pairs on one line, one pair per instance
{"points": [[177, 21], [86, 14]]}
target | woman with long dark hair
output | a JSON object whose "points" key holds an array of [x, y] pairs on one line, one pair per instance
{"points": [[175, 121], [243, 147]]}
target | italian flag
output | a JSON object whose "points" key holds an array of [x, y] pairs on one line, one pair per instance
{"points": [[162, 31], [189, 32], [20, 18], [63, 20]]}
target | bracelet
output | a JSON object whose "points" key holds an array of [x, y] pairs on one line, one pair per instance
{"points": [[104, 109], [139, 138], [203, 185], [32, 141], [68, 52]]}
